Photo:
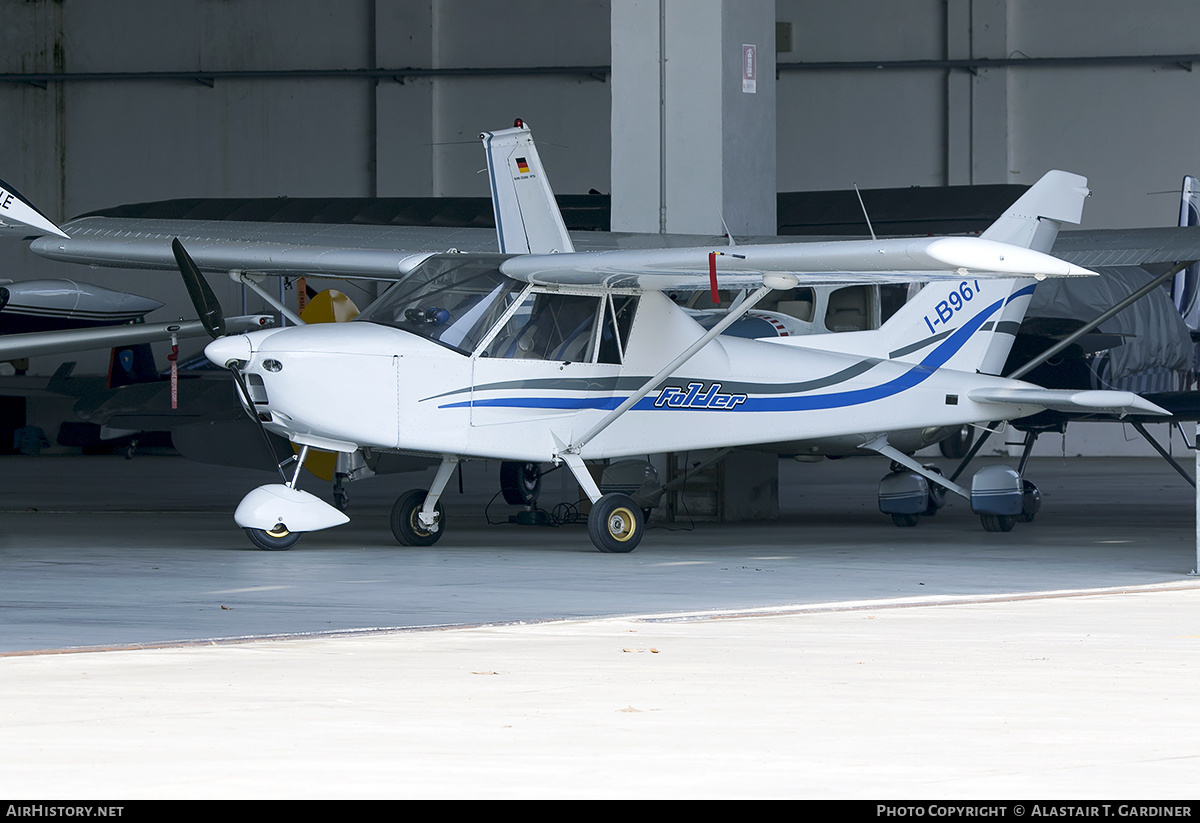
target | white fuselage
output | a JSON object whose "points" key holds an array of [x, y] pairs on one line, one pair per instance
{"points": [[343, 386]]}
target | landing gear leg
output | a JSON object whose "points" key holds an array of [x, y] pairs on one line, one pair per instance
{"points": [[1031, 498], [417, 517], [279, 538], [616, 522], [341, 499]]}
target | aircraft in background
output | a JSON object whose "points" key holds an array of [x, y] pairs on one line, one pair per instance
{"points": [[39, 317], [1141, 337]]}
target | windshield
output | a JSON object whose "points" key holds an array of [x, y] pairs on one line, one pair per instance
{"points": [[452, 299]]}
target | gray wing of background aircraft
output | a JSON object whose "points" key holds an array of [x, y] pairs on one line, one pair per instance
{"points": [[129, 237]]}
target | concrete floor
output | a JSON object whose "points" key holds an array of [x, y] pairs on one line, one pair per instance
{"points": [[828, 654]]}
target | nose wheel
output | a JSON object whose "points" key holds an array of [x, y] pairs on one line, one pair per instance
{"points": [[276, 539]]}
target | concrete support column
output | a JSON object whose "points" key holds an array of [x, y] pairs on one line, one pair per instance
{"points": [[977, 103], [693, 116]]}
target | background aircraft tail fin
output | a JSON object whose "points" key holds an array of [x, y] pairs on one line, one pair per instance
{"points": [[18, 216], [132, 364], [527, 216], [1185, 290], [970, 325]]}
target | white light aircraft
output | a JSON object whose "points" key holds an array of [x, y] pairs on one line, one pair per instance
{"points": [[544, 354]]}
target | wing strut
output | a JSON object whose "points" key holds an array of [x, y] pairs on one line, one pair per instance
{"points": [[880, 444], [650, 385], [247, 280]]}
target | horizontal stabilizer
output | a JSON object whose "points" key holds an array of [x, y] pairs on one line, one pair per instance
{"points": [[1111, 402]]}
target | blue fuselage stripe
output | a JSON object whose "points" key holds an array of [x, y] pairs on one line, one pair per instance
{"points": [[912, 377]]}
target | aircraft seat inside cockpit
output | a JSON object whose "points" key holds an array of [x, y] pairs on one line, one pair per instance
{"points": [[847, 309], [799, 309]]}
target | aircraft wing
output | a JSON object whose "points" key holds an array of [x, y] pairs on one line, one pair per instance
{"points": [[32, 344], [388, 252], [377, 252], [1128, 247], [846, 261], [331, 250]]}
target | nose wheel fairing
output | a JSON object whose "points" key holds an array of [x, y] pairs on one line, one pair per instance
{"points": [[267, 507]]}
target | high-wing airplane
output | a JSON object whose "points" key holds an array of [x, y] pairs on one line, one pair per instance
{"points": [[544, 354]]}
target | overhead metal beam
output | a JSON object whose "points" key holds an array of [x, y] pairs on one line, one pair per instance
{"points": [[598, 72]]}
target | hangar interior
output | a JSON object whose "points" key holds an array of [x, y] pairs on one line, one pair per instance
{"points": [[135, 101]]}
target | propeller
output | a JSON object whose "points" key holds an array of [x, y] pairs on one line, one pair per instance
{"points": [[208, 309]]}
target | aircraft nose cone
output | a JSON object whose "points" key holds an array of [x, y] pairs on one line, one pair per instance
{"points": [[224, 349]]}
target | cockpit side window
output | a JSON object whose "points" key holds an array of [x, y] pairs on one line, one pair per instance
{"points": [[614, 331], [450, 299], [549, 326]]}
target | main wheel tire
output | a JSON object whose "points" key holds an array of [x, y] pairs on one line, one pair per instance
{"points": [[521, 483], [906, 520], [937, 494], [277, 539], [616, 524], [998, 522], [958, 444], [1031, 502], [407, 528]]}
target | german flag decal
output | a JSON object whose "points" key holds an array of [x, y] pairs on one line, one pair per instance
{"points": [[522, 166]]}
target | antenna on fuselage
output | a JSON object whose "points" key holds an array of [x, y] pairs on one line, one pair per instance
{"points": [[864, 209]]}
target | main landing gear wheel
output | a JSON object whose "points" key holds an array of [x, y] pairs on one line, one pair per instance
{"points": [[520, 482], [407, 528], [615, 524], [276, 539], [1031, 502], [906, 520], [998, 522], [937, 494], [958, 444]]}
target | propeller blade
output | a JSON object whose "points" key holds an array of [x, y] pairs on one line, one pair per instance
{"points": [[208, 309]]}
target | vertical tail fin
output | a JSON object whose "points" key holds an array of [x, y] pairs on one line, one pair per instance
{"points": [[971, 325], [19, 215], [132, 364], [1185, 290], [527, 216], [1034, 220]]}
